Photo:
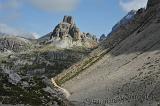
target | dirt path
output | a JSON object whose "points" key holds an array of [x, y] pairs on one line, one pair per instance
{"points": [[64, 91]]}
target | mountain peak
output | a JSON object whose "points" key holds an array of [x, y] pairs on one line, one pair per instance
{"points": [[68, 19], [66, 34], [125, 20]]}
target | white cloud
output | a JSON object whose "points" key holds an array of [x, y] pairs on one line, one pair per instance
{"points": [[132, 4], [16, 32], [9, 4], [8, 30], [36, 35], [10, 10], [55, 5], [46, 5]]}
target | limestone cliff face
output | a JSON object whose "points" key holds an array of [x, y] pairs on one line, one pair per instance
{"points": [[67, 28], [66, 34], [14, 44]]}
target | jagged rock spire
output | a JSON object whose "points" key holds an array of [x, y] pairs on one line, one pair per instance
{"points": [[67, 34], [67, 28], [68, 19]]}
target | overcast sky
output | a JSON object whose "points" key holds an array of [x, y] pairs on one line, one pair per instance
{"points": [[41, 16]]}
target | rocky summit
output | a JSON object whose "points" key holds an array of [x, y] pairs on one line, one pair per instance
{"points": [[66, 34], [67, 28]]}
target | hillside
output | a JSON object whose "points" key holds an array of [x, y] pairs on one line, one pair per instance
{"points": [[124, 69], [26, 67]]}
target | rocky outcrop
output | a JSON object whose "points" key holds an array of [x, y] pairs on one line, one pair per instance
{"points": [[13, 77], [66, 34], [13, 44], [67, 28]]}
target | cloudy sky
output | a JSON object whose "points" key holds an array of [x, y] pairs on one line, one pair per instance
{"points": [[41, 16]]}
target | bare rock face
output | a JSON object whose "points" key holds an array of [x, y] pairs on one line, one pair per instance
{"points": [[125, 20], [153, 8], [75, 33], [66, 28], [68, 19], [67, 34], [152, 3], [14, 44]]}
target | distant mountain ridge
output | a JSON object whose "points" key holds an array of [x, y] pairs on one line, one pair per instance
{"points": [[125, 20], [27, 35], [12, 44], [6, 30]]}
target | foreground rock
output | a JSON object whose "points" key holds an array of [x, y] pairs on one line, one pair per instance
{"points": [[19, 89]]}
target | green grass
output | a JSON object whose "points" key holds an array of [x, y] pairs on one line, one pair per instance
{"points": [[86, 64], [32, 95]]}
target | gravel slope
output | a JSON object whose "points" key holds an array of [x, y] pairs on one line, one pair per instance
{"points": [[124, 75]]}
